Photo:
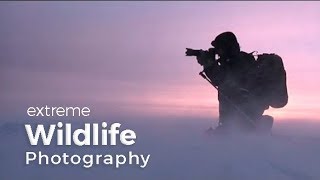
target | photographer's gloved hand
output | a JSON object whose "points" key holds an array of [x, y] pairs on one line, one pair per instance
{"points": [[204, 60]]}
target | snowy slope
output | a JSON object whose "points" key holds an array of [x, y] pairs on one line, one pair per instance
{"points": [[180, 150]]}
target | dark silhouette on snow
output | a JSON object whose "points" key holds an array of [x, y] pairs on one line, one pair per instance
{"points": [[246, 85]]}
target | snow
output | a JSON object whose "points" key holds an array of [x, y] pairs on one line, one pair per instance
{"points": [[180, 150]]}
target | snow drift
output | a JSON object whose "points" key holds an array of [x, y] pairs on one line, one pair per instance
{"points": [[180, 150]]}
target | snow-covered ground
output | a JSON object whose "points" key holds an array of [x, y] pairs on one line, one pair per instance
{"points": [[179, 150]]}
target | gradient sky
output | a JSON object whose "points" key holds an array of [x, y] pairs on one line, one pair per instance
{"points": [[127, 58]]}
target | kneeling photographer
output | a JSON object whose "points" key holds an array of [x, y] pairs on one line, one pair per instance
{"points": [[230, 74]]}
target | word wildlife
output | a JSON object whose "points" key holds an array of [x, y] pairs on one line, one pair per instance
{"points": [[94, 134]]}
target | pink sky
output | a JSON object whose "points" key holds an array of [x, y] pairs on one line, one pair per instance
{"points": [[124, 58]]}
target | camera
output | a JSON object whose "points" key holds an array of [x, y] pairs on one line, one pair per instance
{"points": [[211, 53]]}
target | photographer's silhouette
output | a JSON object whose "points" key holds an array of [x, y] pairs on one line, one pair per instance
{"points": [[246, 86]]}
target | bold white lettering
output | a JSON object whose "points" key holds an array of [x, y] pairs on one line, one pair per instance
{"points": [[104, 134], [127, 134], [85, 132], [68, 134], [95, 134], [60, 134], [113, 131], [33, 138]]}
